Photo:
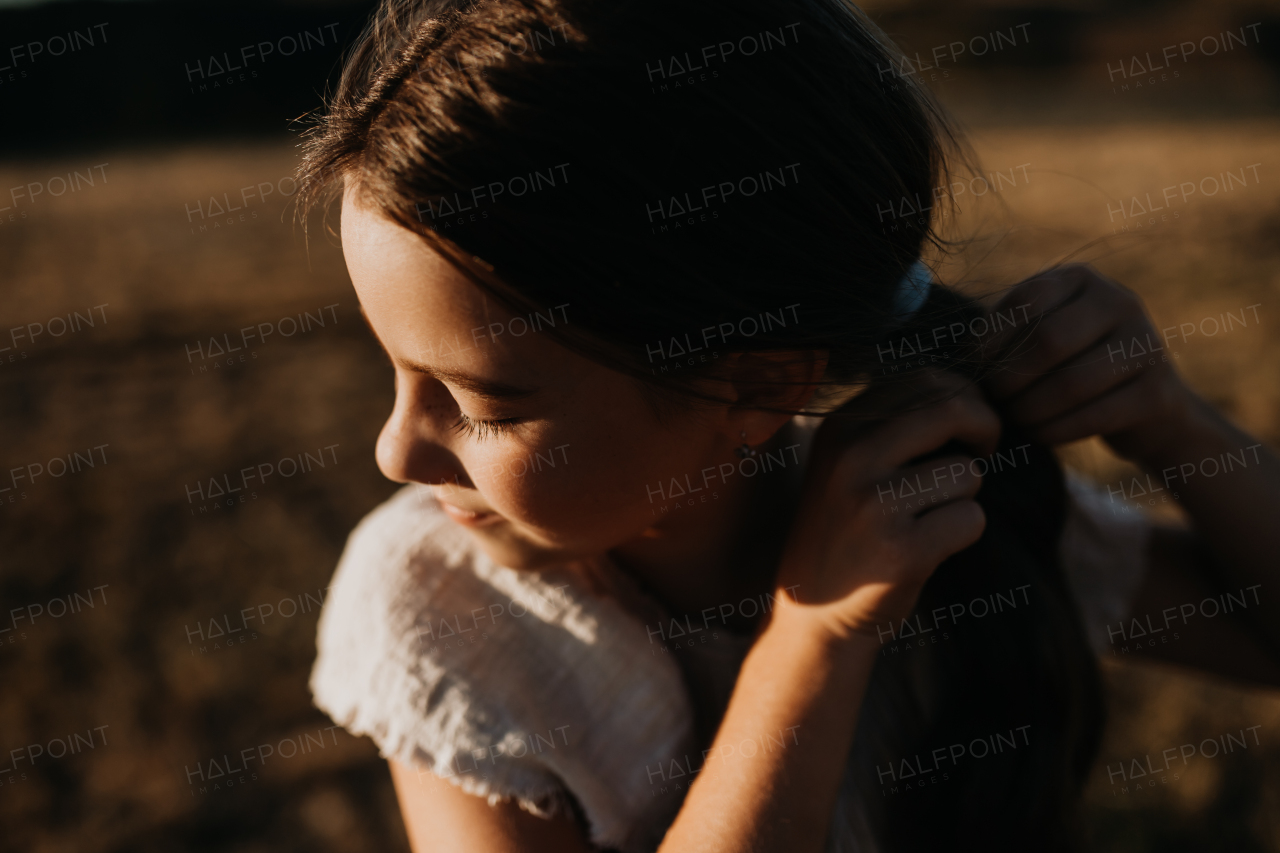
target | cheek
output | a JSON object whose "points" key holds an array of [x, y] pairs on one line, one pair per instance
{"points": [[549, 499], [568, 489], [598, 490]]}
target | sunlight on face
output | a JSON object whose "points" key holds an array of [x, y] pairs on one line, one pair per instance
{"points": [[542, 454]]}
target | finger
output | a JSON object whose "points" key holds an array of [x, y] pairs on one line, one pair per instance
{"points": [[1076, 383], [1046, 289], [1059, 336], [928, 485], [964, 417], [1117, 410], [1035, 296], [947, 530]]}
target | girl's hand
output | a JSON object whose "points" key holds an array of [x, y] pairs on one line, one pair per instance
{"points": [[860, 550], [1093, 364]]}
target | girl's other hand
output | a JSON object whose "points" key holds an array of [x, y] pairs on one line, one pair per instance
{"points": [[1090, 363], [874, 522]]}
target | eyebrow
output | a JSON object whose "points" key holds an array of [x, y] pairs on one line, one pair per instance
{"points": [[490, 388]]}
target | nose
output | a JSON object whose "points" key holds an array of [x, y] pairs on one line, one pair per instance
{"points": [[408, 450]]}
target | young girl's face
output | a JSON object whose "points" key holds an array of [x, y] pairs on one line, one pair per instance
{"points": [[543, 454]]}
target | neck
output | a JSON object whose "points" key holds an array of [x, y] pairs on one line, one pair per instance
{"points": [[726, 549]]}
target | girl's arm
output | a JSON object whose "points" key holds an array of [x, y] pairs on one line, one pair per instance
{"points": [[805, 684], [1235, 506], [1179, 619], [851, 568], [1213, 586], [1095, 365], [440, 816]]}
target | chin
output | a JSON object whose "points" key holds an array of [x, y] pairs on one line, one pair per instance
{"points": [[516, 553]]}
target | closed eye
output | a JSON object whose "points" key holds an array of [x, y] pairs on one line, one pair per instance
{"points": [[481, 429]]}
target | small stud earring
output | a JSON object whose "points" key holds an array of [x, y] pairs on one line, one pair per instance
{"points": [[744, 450]]}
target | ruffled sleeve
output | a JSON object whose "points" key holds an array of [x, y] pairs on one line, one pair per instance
{"points": [[511, 685], [1104, 555]]}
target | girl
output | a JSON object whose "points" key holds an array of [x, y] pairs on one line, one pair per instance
{"points": [[697, 559]]}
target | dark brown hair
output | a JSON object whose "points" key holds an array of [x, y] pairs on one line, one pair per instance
{"points": [[688, 166], [803, 142]]}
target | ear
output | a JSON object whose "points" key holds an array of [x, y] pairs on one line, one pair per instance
{"points": [[761, 382]]}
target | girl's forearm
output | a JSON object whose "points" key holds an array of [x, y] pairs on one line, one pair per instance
{"points": [[1234, 506], [801, 687]]}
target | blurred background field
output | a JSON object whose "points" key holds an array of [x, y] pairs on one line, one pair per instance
{"points": [[142, 382]]}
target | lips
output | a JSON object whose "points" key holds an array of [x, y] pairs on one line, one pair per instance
{"points": [[468, 518]]}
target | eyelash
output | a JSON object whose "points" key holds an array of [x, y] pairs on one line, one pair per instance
{"points": [[482, 429]]}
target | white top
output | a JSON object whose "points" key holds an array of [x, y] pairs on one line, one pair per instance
{"points": [[531, 685]]}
